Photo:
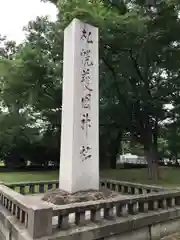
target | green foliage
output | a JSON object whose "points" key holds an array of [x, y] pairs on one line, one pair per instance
{"points": [[139, 75]]}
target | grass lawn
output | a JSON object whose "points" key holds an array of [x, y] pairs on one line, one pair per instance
{"points": [[170, 176], [11, 177]]}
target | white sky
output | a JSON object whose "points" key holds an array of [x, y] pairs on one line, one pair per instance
{"points": [[15, 14]]}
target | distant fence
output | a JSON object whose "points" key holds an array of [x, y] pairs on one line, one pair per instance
{"points": [[133, 161]]}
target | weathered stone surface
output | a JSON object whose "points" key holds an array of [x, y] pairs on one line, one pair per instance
{"points": [[172, 237], [60, 197], [79, 165]]}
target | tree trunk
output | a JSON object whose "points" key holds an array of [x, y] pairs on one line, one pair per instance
{"points": [[155, 149], [113, 162], [156, 163], [149, 136], [103, 151], [176, 158], [114, 149], [105, 161], [148, 156]]}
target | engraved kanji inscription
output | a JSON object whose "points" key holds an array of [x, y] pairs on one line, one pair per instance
{"points": [[85, 122], [87, 62], [86, 101], [86, 36], [86, 79], [85, 153]]}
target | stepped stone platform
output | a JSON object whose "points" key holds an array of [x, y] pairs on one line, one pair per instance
{"points": [[120, 210], [56, 197]]}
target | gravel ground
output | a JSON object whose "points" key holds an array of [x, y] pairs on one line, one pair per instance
{"points": [[172, 237]]}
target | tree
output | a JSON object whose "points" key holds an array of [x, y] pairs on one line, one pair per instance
{"points": [[139, 70], [172, 138], [29, 94], [141, 38]]}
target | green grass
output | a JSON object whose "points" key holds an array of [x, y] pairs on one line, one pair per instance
{"points": [[11, 177], [170, 176]]}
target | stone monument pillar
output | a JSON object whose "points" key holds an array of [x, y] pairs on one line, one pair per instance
{"points": [[79, 158]]}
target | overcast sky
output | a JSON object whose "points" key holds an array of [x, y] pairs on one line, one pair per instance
{"points": [[15, 14]]}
